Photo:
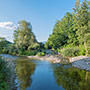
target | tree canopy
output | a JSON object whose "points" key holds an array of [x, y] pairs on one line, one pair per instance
{"points": [[73, 29], [23, 35]]}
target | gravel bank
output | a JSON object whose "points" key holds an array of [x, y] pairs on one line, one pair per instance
{"points": [[73, 59], [81, 62], [50, 58]]}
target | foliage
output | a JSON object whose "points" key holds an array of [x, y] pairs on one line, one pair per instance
{"points": [[3, 45], [41, 54], [63, 33], [25, 42], [73, 29], [82, 50], [23, 35], [30, 53], [4, 85], [70, 52]]}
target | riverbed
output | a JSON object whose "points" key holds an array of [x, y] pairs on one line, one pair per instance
{"points": [[34, 74]]}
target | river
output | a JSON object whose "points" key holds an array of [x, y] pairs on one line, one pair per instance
{"points": [[43, 75]]}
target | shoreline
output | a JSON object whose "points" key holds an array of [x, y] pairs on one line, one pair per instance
{"points": [[81, 62], [50, 58]]}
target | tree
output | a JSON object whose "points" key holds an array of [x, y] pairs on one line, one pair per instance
{"points": [[73, 29], [23, 36], [63, 33], [82, 20]]}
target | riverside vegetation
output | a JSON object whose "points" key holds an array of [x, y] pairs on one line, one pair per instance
{"points": [[70, 37], [71, 34]]}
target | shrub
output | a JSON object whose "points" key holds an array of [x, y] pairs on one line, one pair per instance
{"points": [[41, 54], [70, 52]]}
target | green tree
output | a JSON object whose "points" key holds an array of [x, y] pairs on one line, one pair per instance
{"points": [[24, 38], [82, 21], [63, 33]]}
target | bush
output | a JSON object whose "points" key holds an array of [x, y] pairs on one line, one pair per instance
{"points": [[70, 52], [41, 54]]}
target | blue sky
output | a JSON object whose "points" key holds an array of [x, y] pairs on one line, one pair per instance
{"points": [[42, 14]]}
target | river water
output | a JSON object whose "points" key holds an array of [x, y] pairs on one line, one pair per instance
{"points": [[43, 75]]}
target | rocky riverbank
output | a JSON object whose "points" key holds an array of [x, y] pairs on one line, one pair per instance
{"points": [[50, 58], [73, 59], [81, 62]]}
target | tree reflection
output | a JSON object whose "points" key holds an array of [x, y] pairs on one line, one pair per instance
{"points": [[72, 78], [24, 70]]}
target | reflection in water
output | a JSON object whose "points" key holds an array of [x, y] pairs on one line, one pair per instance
{"points": [[72, 78], [47, 76], [42, 79], [24, 70]]}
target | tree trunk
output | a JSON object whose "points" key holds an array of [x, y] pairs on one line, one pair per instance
{"points": [[86, 49]]}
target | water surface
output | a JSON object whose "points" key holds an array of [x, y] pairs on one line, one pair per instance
{"points": [[43, 75], [35, 75]]}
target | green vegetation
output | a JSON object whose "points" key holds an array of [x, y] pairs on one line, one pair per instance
{"points": [[73, 30], [25, 42], [4, 45], [24, 39], [41, 54], [4, 75], [70, 52]]}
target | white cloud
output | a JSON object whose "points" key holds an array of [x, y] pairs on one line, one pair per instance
{"points": [[7, 25]]}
